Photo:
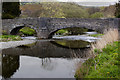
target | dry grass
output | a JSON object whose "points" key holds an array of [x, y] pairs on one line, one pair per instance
{"points": [[109, 37]]}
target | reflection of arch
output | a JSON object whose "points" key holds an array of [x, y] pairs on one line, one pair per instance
{"points": [[15, 30], [55, 30], [50, 50], [68, 47]]}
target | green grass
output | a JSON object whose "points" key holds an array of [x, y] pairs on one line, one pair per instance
{"points": [[72, 31], [96, 35], [62, 32], [5, 38], [27, 31], [104, 65]]}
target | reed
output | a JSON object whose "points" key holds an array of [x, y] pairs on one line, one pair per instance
{"points": [[91, 64], [109, 37]]}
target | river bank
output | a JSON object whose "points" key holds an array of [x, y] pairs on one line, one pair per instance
{"points": [[104, 65], [9, 44], [105, 60], [5, 38], [9, 41]]}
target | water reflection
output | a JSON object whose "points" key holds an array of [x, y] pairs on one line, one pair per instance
{"points": [[0, 65], [73, 44], [47, 64], [10, 64], [43, 49], [41, 60]]}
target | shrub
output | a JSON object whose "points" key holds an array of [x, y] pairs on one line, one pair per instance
{"points": [[62, 31], [4, 32], [27, 31], [8, 16], [97, 15]]}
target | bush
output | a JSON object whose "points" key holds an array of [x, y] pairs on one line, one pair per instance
{"points": [[8, 16], [27, 31], [10, 10], [4, 32], [62, 32], [97, 15]]}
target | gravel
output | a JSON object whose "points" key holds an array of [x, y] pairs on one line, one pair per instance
{"points": [[5, 45]]}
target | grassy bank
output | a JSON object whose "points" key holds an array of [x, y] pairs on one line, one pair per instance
{"points": [[96, 35], [104, 65], [5, 38]]}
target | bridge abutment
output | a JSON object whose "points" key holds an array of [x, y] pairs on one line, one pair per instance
{"points": [[42, 34]]}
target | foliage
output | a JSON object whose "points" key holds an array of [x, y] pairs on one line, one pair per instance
{"points": [[44, 9], [62, 32], [109, 12], [27, 31], [97, 15], [76, 30], [10, 10], [9, 38], [65, 10], [54, 9], [104, 65], [51, 10], [71, 31], [31, 10], [117, 12], [96, 35], [8, 16], [72, 10], [4, 32], [92, 10]]}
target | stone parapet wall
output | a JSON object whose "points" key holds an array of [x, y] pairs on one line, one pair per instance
{"points": [[45, 26]]}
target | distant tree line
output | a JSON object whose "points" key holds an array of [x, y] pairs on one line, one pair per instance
{"points": [[117, 13], [10, 10], [60, 10], [65, 10]]}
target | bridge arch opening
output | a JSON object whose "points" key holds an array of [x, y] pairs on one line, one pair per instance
{"points": [[69, 31], [23, 31]]}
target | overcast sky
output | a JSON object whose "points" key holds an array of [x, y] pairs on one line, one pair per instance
{"points": [[80, 2], [71, 0], [89, 0]]}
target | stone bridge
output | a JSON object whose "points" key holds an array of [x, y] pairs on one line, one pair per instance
{"points": [[46, 27]]}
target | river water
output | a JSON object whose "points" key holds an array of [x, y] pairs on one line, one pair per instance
{"points": [[44, 59]]}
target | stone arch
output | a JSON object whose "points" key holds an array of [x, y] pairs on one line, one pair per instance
{"points": [[16, 29], [50, 35]]}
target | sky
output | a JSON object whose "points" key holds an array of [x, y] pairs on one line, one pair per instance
{"points": [[80, 2], [88, 0], [68, 0]]}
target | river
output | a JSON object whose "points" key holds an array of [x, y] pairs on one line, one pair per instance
{"points": [[51, 58]]}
